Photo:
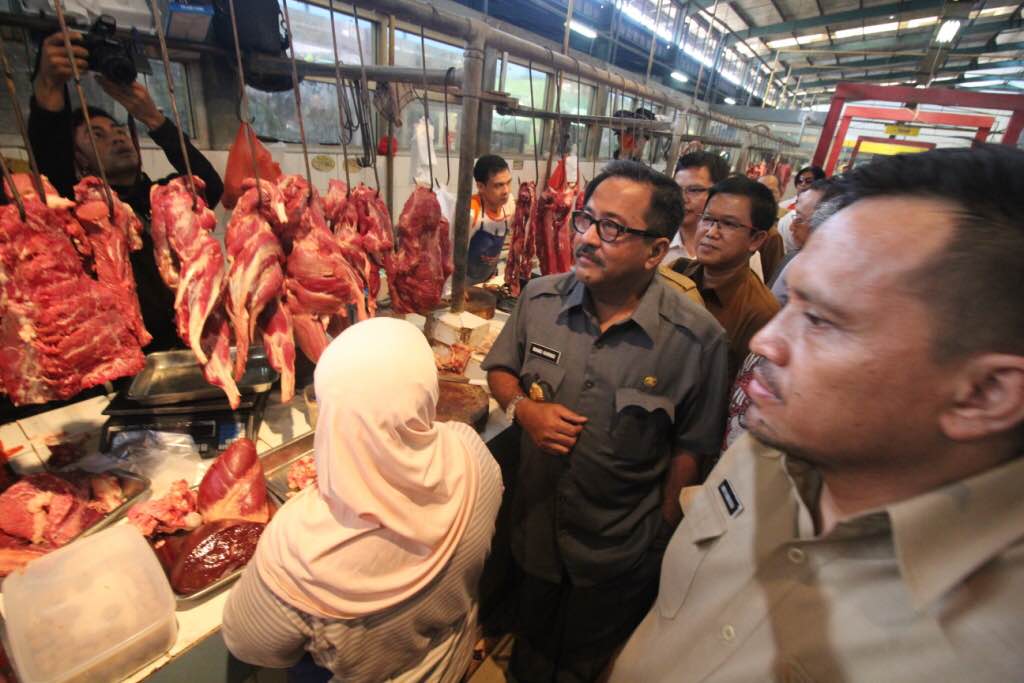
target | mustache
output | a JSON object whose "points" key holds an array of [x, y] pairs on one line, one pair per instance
{"points": [[590, 252], [767, 374]]}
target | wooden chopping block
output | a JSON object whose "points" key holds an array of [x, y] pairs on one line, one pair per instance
{"points": [[463, 402], [481, 302]]}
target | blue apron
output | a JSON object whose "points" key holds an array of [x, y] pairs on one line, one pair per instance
{"points": [[486, 241]]}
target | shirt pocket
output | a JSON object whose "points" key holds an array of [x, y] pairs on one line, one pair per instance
{"points": [[703, 522], [642, 427], [548, 375]]}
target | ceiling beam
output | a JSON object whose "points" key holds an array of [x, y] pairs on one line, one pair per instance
{"points": [[840, 17], [907, 75], [910, 39]]}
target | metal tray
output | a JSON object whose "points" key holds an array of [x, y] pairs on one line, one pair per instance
{"points": [[277, 461], [186, 601], [176, 377]]}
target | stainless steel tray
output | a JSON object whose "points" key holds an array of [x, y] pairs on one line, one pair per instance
{"points": [[277, 461], [176, 377]]}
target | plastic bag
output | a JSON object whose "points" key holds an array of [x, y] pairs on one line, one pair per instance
{"points": [[240, 164]]}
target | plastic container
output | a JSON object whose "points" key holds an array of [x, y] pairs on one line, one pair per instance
{"points": [[95, 610]]}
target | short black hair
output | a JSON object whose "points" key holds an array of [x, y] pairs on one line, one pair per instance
{"points": [[717, 167], [817, 173], [488, 165], [763, 208], [973, 286], [78, 116], [665, 212]]}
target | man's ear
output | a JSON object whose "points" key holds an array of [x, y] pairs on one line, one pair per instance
{"points": [[988, 398], [757, 238], [656, 252]]}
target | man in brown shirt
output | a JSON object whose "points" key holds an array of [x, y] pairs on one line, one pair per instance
{"points": [[735, 223]]}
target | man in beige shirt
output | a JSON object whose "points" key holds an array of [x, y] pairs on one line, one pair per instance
{"points": [[873, 528]]}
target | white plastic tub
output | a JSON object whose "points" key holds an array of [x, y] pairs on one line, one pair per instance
{"points": [[95, 610]]}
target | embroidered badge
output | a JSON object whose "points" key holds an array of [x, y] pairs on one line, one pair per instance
{"points": [[732, 504], [545, 352]]}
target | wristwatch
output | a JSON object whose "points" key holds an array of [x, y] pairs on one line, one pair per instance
{"points": [[510, 409]]}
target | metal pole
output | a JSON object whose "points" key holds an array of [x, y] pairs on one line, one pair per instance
{"points": [[504, 72], [654, 42], [768, 83], [565, 34], [389, 161], [473, 69]]}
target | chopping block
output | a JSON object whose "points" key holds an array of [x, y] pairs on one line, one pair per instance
{"points": [[456, 328]]}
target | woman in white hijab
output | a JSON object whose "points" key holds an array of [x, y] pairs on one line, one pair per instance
{"points": [[374, 570]]}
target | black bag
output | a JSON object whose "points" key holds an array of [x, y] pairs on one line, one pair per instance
{"points": [[261, 28]]}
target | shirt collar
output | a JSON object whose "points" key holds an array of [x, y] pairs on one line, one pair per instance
{"points": [[944, 535], [941, 536], [725, 292], [646, 314]]}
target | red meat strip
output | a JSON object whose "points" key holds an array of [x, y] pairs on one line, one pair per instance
{"points": [[276, 327], [234, 487], [416, 274], [15, 553], [552, 231], [521, 248]]}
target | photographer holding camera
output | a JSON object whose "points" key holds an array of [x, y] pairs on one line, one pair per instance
{"points": [[61, 144]]}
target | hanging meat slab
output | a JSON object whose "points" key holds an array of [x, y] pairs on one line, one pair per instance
{"points": [[416, 274], [521, 248], [61, 331], [552, 231]]}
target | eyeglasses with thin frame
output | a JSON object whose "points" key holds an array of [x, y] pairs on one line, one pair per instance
{"points": [[607, 229], [724, 224]]}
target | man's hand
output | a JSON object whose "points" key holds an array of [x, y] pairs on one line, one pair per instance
{"points": [[136, 101], [552, 427], [55, 69]]}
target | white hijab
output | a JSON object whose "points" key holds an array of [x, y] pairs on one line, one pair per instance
{"points": [[395, 490]]}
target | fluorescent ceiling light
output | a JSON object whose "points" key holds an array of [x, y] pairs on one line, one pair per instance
{"points": [[729, 100], [918, 23], [799, 40], [945, 78], [948, 31], [997, 71], [981, 84], [582, 29], [866, 30], [995, 11], [1017, 84], [681, 77]]}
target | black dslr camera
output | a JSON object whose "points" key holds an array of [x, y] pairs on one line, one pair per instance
{"points": [[108, 55]]}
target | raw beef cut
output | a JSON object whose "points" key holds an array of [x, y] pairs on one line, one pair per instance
{"points": [[60, 330], [416, 274], [43, 508], [278, 333], [210, 552], [15, 553], [234, 486], [110, 239], [191, 263], [255, 278], [521, 248], [178, 509], [455, 360], [301, 473], [552, 231]]}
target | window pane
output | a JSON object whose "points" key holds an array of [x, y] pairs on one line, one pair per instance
{"points": [[275, 116], [313, 35], [615, 102], [439, 55], [413, 113], [575, 100], [515, 134], [157, 86]]}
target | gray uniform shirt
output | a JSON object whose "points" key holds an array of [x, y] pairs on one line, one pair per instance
{"points": [[650, 384]]}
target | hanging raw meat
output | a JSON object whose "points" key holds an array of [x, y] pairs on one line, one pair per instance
{"points": [[416, 274], [61, 331], [194, 260], [552, 231], [255, 277], [521, 246], [109, 238]]}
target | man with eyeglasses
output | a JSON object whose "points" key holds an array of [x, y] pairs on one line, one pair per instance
{"points": [[695, 173], [618, 382], [734, 224]]}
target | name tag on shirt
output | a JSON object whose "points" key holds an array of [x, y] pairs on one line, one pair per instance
{"points": [[732, 504], [545, 352]]}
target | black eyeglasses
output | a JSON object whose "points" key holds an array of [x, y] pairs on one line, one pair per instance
{"points": [[607, 229], [723, 224]]}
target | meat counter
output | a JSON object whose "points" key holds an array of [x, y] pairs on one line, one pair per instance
{"points": [[198, 654]]}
